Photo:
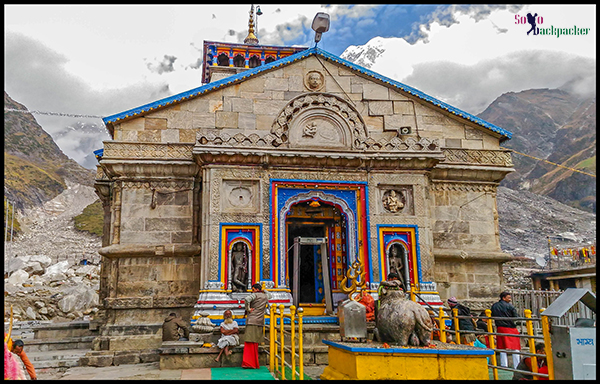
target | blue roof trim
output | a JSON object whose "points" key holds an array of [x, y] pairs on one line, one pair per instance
{"points": [[423, 351], [287, 60]]}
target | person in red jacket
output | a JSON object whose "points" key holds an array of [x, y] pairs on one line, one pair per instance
{"points": [[17, 349]]}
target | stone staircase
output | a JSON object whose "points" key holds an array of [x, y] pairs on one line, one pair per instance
{"points": [[55, 345]]}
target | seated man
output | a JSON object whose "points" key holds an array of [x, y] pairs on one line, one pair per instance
{"points": [[229, 334], [172, 326], [525, 365]]}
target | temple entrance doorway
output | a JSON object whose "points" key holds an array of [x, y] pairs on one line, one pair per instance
{"points": [[322, 228]]}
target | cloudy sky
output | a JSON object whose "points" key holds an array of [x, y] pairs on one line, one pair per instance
{"points": [[104, 59]]}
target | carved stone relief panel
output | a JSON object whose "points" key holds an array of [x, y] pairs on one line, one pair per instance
{"points": [[319, 128], [396, 199], [240, 196], [330, 114]]}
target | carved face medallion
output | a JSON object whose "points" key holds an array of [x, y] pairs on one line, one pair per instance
{"points": [[314, 80]]}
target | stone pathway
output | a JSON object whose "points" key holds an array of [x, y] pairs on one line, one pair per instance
{"points": [[151, 371]]}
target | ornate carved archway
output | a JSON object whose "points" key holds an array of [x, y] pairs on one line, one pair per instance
{"points": [[329, 198], [319, 120]]}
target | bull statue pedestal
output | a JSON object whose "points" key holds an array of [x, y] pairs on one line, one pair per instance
{"points": [[400, 322], [371, 361]]}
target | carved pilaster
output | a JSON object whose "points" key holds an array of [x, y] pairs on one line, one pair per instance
{"points": [[117, 190]]}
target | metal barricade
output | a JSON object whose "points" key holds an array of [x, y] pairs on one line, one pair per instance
{"points": [[439, 325], [277, 332]]}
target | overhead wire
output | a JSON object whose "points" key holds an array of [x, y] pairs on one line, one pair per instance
{"points": [[555, 164], [51, 113]]}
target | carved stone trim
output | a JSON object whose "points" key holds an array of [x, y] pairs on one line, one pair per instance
{"points": [[128, 302], [126, 150], [146, 250], [175, 185], [466, 187], [174, 301], [476, 156], [457, 254], [150, 302]]}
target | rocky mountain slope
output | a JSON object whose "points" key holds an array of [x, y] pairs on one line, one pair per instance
{"points": [[35, 169], [557, 126]]}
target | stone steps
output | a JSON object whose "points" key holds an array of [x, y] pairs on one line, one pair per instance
{"points": [[56, 358], [70, 343], [186, 355]]}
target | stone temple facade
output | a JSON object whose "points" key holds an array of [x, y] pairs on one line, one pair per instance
{"points": [[205, 191]]}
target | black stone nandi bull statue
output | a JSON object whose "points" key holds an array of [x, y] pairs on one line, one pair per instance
{"points": [[400, 320]]}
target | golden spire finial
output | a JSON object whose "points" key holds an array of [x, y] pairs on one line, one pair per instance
{"points": [[251, 38]]}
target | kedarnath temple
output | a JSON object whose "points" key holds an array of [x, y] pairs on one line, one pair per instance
{"points": [[284, 168]]}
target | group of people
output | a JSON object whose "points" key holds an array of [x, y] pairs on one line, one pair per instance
{"points": [[504, 313], [175, 328]]}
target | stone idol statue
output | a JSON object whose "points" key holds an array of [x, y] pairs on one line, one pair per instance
{"points": [[393, 201], [400, 320], [239, 261]]}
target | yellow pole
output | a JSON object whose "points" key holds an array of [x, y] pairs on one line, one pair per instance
{"points": [[293, 340], [282, 357], [547, 345], [455, 319], [272, 336], [442, 326], [488, 313], [412, 294], [534, 366], [300, 343]]}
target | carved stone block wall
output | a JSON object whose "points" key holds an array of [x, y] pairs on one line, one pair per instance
{"points": [[157, 212], [468, 258], [475, 282], [154, 283], [464, 216]]}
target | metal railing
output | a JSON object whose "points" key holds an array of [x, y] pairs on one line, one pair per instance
{"points": [[536, 300], [277, 362], [439, 326]]}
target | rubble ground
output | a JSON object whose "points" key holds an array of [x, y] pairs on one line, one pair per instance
{"points": [[43, 276]]}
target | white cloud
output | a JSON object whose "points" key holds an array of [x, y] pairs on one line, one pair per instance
{"points": [[472, 61]]}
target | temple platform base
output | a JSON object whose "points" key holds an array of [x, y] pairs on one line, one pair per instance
{"points": [[370, 361]]}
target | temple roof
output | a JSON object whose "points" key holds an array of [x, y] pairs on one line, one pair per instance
{"points": [[180, 97]]}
